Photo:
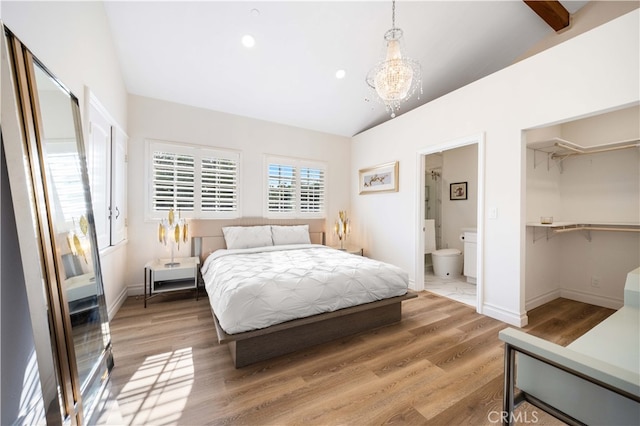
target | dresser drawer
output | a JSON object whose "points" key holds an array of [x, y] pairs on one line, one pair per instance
{"points": [[174, 274]]}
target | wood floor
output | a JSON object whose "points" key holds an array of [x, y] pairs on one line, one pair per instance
{"points": [[441, 365]]}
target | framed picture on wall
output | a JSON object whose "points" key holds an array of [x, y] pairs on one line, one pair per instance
{"points": [[458, 191], [382, 178]]}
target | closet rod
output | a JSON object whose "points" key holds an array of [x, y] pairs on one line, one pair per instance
{"points": [[593, 151]]}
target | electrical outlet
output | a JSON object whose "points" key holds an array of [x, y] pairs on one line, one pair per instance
{"points": [[595, 282]]}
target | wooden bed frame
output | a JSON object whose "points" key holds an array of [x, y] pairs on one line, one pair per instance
{"points": [[279, 339]]}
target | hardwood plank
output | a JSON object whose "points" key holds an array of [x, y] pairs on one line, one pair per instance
{"points": [[484, 406], [442, 364]]}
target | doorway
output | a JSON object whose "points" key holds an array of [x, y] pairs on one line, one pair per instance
{"points": [[450, 204]]}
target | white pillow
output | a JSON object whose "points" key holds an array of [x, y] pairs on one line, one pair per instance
{"points": [[239, 237], [294, 234]]}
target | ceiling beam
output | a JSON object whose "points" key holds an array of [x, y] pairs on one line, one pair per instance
{"points": [[552, 12]]}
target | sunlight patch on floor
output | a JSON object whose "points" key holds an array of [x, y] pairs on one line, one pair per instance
{"points": [[158, 391]]}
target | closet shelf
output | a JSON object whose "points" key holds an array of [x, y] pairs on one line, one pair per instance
{"points": [[559, 149], [550, 230]]}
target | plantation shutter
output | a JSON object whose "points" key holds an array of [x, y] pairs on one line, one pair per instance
{"points": [[219, 185], [198, 181], [173, 181], [312, 189], [282, 188], [295, 187], [68, 190]]}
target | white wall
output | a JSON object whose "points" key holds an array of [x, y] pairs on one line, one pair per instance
{"points": [[594, 72], [160, 120], [73, 40]]}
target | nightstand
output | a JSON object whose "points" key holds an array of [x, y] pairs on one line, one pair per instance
{"points": [[359, 251], [160, 278]]}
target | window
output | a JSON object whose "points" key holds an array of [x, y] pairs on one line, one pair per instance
{"points": [[282, 188], [173, 181], [219, 185], [199, 182], [295, 188], [66, 188]]}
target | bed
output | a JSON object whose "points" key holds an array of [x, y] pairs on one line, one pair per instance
{"points": [[282, 290]]}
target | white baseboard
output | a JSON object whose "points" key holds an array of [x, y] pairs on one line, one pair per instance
{"points": [[113, 310], [135, 290], [412, 286], [592, 299], [510, 317], [542, 299]]}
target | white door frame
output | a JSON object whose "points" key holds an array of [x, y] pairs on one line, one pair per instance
{"points": [[420, 194]]}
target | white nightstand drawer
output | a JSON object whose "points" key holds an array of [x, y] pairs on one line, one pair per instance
{"points": [[159, 277], [174, 274]]}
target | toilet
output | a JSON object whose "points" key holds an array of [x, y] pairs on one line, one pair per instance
{"points": [[447, 263]]}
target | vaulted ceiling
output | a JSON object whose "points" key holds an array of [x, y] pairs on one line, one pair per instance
{"points": [[191, 53]]}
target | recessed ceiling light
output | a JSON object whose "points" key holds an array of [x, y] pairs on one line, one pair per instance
{"points": [[340, 74], [248, 41]]}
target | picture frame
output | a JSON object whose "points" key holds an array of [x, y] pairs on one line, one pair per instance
{"points": [[380, 178], [458, 191]]}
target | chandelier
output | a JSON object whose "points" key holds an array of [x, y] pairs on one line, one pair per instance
{"points": [[396, 77]]}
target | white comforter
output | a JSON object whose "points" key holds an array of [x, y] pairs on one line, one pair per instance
{"points": [[254, 288]]}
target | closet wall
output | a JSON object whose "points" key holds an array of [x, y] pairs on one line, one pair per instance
{"points": [[593, 189]]}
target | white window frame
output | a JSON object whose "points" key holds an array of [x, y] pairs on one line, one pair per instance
{"points": [[297, 164], [199, 152]]}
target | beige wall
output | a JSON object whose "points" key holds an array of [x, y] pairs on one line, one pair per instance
{"points": [[160, 120]]}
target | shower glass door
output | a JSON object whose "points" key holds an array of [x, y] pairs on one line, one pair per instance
{"points": [[433, 202]]}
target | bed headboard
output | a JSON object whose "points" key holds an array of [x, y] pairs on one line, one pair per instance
{"points": [[207, 236]]}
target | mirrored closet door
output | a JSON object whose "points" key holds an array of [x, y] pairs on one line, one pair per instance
{"points": [[57, 206]]}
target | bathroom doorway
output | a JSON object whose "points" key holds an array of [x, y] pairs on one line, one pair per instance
{"points": [[450, 211]]}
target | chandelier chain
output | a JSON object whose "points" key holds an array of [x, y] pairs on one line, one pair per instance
{"points": [[393, 14]]}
